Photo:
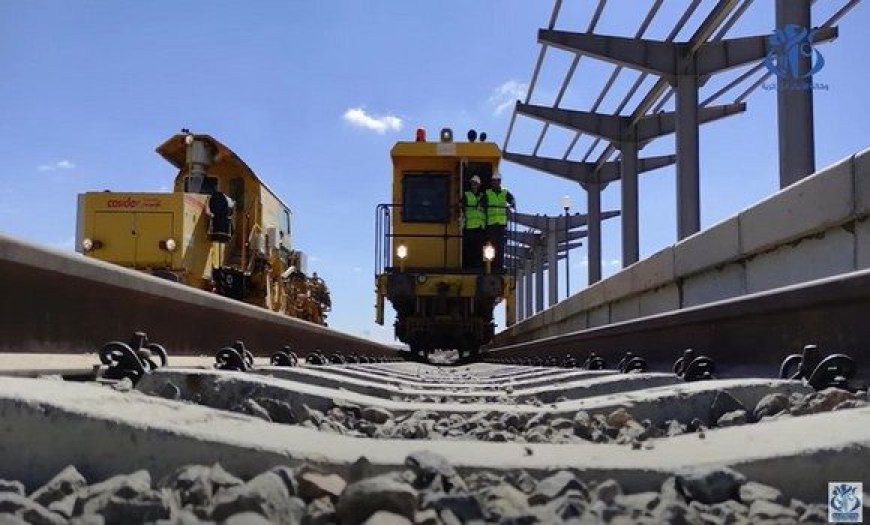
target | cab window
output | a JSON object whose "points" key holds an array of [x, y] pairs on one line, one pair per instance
{"points": [[203, 185], [426, 197], [237, 192]]}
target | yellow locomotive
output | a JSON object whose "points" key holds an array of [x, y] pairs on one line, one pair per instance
{"points": [[221, 229], [439, 303]]}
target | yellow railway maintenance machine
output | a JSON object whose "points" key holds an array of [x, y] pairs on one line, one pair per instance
{"points": [[438, 303], [221, 229]]}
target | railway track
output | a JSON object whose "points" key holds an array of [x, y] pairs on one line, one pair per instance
{"points": [[750, 334], [412, 443], [334, 430]]}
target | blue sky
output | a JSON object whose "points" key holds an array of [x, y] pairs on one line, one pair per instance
{"points": [[313, 95]]}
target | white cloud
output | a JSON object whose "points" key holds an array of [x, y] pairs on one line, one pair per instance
{"points": [[378, 123], [607, 263], [504, 96], [59, 165], [357, 269]]}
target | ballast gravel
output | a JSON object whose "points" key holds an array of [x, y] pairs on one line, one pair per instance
{"points": [[616, 427], [429, 491]]}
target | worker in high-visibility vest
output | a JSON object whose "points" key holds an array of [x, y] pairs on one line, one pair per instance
{"points": [[497, 200], [474, 225]]}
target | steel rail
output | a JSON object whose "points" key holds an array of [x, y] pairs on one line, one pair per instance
{"points": [[55, 302], [755, 329], [68, 374]]}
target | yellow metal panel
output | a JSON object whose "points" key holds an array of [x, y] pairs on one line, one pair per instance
{"points": [[440, 248], [151, 228], [116, 232], [120, 221], [459, 285], [199, 255]]}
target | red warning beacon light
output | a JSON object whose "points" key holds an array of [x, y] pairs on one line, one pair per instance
{"points": [[421, 135]]}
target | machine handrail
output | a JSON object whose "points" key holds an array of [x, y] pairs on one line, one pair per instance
{"points": [[384, 238]]}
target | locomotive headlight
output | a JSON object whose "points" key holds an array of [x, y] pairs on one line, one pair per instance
{"points": [[188, 140], [488, 252], [402, 251], [169, 245], [87, 244]]}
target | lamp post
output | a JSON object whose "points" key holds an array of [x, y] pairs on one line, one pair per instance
{"points": [[566, 205]]}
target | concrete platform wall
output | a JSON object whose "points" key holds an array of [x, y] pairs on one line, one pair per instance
{"points": [[816, 228]]}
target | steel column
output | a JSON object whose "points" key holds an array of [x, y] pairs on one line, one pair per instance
{"points": [[797, 150], [688, 164], [520, 295], [528, 276], [630, 221], [539, 278], [593, 210], [552, 264]]}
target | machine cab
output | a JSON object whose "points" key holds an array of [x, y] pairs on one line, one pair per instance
{"points": [[423, 225]]}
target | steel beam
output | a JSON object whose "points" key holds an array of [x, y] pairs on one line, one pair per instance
{"points": [[561, 250], [585, 172], [635, 53], [540, 221], [663, 58], [514, 263], [618, 129], [682, 65], [625, 134], [533, 239]]}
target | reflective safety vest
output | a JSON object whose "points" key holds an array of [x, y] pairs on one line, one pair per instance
{"points": [[474, 216], [496, 208]]}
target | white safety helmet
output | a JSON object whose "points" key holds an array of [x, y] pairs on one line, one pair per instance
{"points": [[475, 179], [496, 176]]}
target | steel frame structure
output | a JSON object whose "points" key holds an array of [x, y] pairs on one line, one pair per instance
{"points": [[682, 68]]}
